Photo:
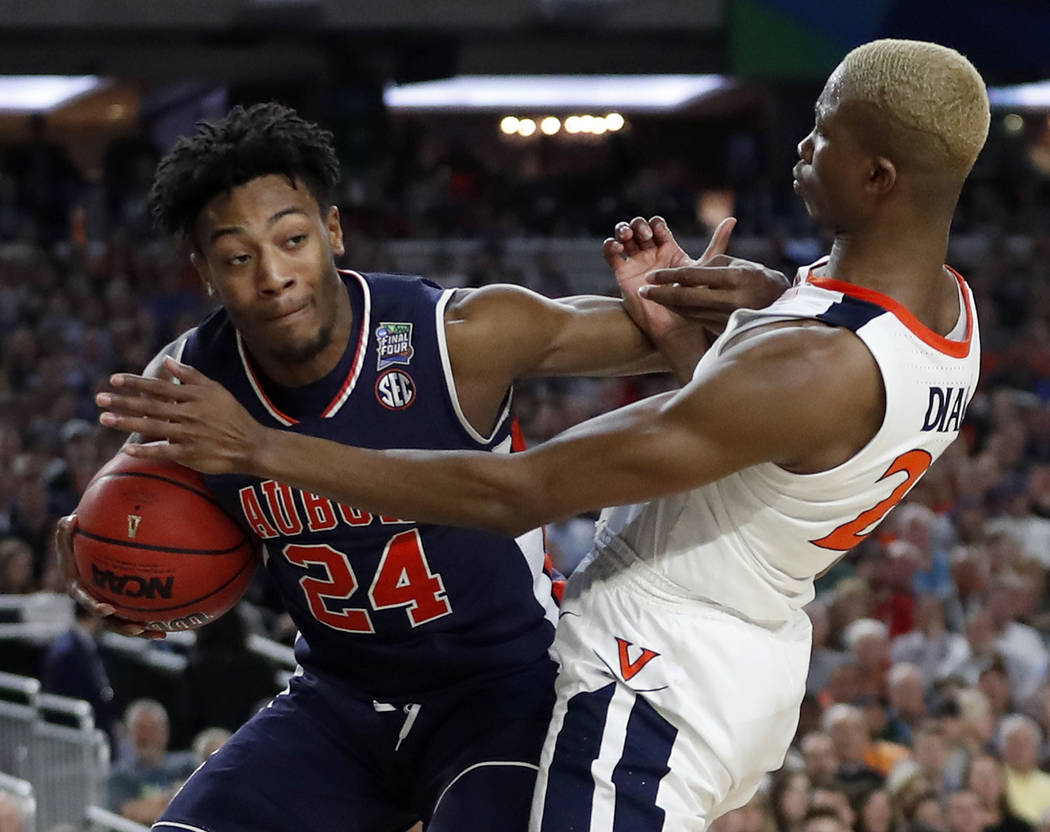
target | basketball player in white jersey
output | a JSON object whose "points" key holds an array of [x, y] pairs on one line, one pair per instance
{"points": [[682, 641]]}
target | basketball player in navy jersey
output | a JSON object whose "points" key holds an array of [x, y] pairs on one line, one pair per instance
{"points": [[426, 684], [682, 642]]}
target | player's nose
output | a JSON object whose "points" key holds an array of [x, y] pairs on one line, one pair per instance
{"points": [[805, 148], [273, 276]]}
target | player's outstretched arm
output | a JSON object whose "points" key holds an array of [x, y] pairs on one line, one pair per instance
{"points": [[719, 423]]}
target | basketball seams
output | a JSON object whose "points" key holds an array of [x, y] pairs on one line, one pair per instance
{"points": [[205, 495], [173, 550]]}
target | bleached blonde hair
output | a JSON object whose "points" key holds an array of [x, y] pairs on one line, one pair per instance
{"points": [[927, 89]]}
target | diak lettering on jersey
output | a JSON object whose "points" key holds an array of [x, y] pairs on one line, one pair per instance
{"points": [[274, 509], [946, 409]]}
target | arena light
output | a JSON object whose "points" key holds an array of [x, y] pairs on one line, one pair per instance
{"points": [[1013, 123], [43, 93], [1022, 96], [526, 127], [550, 125], [615, 121], [654, 93], [509, 125]]}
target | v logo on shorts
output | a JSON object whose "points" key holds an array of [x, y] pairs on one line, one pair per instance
{"points": [[628, 668]]}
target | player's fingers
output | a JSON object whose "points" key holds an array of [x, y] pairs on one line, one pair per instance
{"points": [[661, 230], [184, 372], [88, 601], [688, 297], [160, 388], [714, 277], [643, 233], [612, 251], [64, 530], [719, 240], [148, 428], [625, 236], [138, 406]]}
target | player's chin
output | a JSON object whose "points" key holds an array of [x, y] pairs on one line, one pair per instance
{"points": [[299, 350]]}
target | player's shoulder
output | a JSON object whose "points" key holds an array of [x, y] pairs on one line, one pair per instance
{"points": [[495, 302], [392, 281], [802, 360]]}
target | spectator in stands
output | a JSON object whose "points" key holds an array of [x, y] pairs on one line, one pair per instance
{"points": [[986, 780], [857, 752], [964, 812], [893, 580], [820, 758], [1029, 659], [968, 727], [875, 811], [208, 741], [73, 667], [823, 658], [831, 800], [789, 799], [930, 751], [227, 680], [16, 567], [141, 786], [907, 697], [927, 814], [937, 651], [823, 819], [1027, 788], [868, 641], [69, 474]]}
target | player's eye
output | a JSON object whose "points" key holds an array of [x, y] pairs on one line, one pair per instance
{"points": [[237, 260], [295, 241]]}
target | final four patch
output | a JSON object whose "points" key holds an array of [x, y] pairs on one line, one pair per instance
{"points": [[394, 344]]}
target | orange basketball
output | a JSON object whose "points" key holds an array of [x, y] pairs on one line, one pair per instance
{"points": [[152, 541]]}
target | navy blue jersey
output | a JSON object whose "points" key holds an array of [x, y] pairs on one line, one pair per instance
{"points": [[392, 607]]}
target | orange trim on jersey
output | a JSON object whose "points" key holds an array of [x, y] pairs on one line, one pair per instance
{"points": [[256, 385], [955, 349], [359, 355], [351, 377]]}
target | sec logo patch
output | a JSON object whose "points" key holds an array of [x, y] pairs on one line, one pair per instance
{"points": [[395, 390]]}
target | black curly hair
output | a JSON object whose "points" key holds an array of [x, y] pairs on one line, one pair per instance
{"points": [[248, 143]]}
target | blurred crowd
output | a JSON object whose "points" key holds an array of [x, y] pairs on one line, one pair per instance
{"points": [[928, 703]]}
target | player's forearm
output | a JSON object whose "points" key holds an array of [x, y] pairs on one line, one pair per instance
{"points": [[600, 339], [460, 488], [683, 350]]}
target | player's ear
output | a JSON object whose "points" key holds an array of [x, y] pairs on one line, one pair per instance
{"points": [[335, 231], [200, 265], [882, 176]]}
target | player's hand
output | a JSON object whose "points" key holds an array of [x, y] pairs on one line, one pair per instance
{"points": [[67, 564], [196, 423], [642, 246], [709, 292]]}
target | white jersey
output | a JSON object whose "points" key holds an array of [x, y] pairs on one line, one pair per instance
{"points": [[752, 542]]}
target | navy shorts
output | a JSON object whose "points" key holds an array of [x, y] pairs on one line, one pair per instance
{"points": [[320, 759]]}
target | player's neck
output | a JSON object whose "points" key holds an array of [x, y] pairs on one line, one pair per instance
{"points": [[907, 266]]}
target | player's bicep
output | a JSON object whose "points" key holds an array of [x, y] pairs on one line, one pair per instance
{"points": [[513, 332]]}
